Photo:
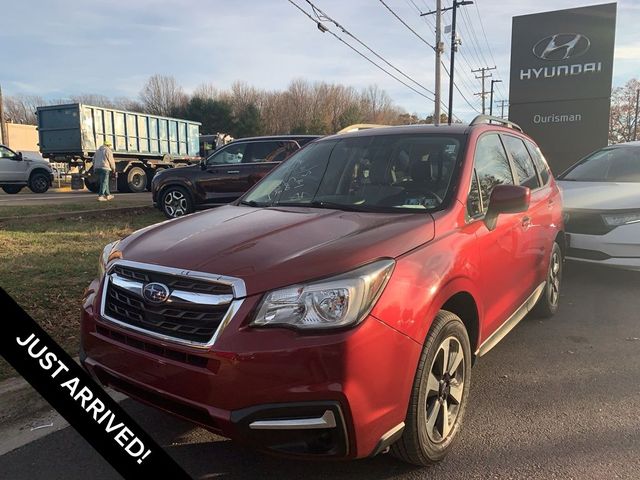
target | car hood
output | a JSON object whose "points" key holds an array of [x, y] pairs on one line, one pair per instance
{"points": [[274, 247], [600, 195]]}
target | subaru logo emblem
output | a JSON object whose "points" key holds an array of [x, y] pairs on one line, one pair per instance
{"points": [[561, 46], [155, 292]]}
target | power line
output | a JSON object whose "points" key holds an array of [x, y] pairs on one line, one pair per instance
{"points": [[484, 33], [325, 29], [429, 24], [406, 25], [321, 16]]}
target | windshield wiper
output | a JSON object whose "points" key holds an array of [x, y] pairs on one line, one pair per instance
{"points": [[323, 204], [252, 203]]}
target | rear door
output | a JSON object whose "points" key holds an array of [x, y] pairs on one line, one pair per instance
{"points": [[533, 244], [262, 157]]}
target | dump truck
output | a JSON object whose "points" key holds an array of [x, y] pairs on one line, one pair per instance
{"points": [[142, 144]]}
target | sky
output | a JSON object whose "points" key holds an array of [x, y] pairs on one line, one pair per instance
{"points": [[57, 48]]}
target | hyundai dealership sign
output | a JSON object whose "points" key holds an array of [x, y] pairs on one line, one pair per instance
{"points": [[560, 83]]}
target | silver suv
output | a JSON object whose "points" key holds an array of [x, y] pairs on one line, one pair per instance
{"points": [[17, 172]]}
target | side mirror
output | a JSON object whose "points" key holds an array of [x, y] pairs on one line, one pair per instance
{"points": [[203, 164], [506, 199], [19, 156]]}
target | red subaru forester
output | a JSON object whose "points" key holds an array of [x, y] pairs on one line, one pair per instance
{"points": [[335, 310]]}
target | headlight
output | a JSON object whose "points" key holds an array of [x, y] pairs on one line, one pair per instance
{"points": [[334, 302], [617, 219], [106, 257]]}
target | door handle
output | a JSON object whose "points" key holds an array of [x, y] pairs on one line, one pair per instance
{"points": [[526, 222], [233, 171]]}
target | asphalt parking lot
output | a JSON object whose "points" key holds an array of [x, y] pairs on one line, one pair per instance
{"points": [[64, 195], [558, 398]]}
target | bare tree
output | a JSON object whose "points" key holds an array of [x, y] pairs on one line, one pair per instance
{"points": [[22, 108], [207, 90], [623, 111], [162, 95]]}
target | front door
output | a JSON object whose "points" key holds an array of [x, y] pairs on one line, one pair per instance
{"points": [[502, 267], [220, 180], [12, 168]]}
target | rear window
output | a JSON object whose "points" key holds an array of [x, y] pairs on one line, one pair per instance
{"points": [[522, 161], [619, 164]]}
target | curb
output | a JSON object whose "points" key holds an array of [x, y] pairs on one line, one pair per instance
{"points": [[76, 213], [26, 416]]}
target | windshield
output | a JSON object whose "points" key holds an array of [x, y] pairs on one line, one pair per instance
{"points": [[620, 164], [372, 173]]}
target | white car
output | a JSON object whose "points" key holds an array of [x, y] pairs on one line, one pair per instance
{"points": [[18, 171], [601, 197]]}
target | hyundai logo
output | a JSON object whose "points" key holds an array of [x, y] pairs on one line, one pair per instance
{"points": [[561, 46], [155, 292]]}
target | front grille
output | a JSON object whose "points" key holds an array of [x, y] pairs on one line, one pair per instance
{"points": [[169, 353], [585, 222], [194, 319], [172, 281]]}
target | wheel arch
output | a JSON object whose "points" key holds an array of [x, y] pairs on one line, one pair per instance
{"points": [[42, 170], [464, 306], [561, 239]]}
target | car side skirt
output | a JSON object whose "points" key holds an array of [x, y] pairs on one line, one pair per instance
{"points": [[511, 322]]}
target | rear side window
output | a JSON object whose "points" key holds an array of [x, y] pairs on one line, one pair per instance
{"points": [[492, 166], [538, 159], [522, 162], [261, 151]]}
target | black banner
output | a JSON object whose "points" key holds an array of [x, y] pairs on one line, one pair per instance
{"points": [[560, 80], [79, 399]]}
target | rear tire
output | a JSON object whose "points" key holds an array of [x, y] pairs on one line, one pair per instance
{"points": [[175, 202], [136, 178], [12, 189], [439, 395], [39, 182], [547, 304]]}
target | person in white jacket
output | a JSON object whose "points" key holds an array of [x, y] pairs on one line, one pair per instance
{"points": [[103, 165]]}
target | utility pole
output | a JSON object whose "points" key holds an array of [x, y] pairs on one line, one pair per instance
{"points": [[454, 45], [502, 103], [483, 76], [635, 123], [439, 49], [3, 125], [493, 82]]}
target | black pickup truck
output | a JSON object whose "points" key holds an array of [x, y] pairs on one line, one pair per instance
{"points": [[224, 176]]}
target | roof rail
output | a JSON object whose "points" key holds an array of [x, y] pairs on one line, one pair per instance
{"points": [[489, 119]]}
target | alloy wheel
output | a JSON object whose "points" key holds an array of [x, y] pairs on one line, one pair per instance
{"points": [[175, 203], [445, 388], [554, 278]]}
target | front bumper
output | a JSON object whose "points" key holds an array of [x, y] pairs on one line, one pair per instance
{"points": [[358, 381], [618, 248]]}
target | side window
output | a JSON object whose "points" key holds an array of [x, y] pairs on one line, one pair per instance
{"points": [[492, 166], [474, 206], [6, 153], [525, 170], [284, 151], [541, 163], [231, 154], [260, 151]]}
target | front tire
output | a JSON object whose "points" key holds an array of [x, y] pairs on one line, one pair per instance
{"points": [[547, 304], [12, 189], [439, 395], [175, 202], [39, 182]]}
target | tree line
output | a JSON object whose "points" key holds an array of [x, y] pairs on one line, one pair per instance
{"points": [[243, 110]]}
